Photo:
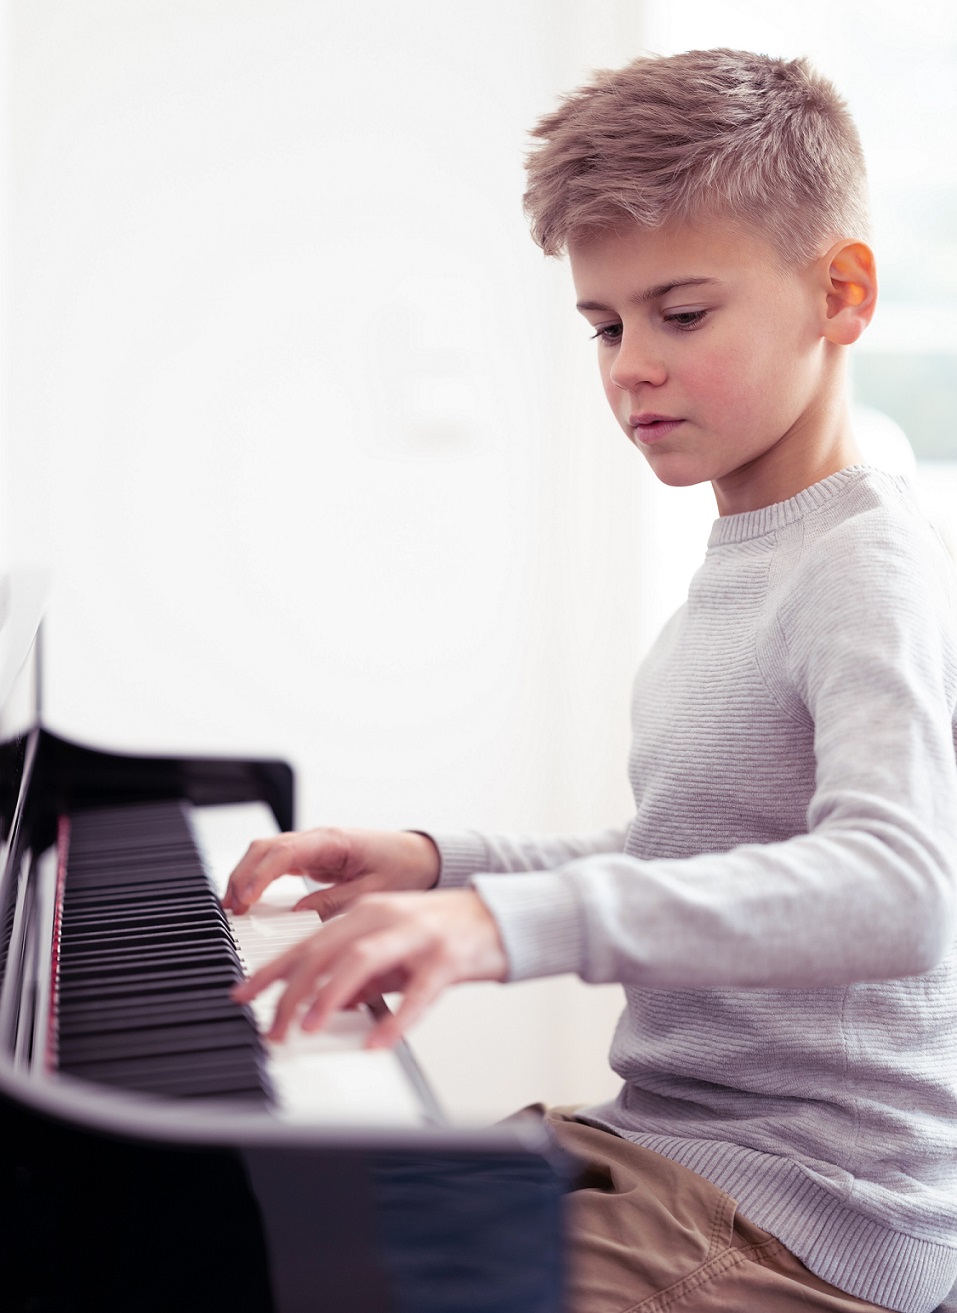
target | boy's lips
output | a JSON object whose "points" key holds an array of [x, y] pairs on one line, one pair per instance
{"points": [[648, 427]]}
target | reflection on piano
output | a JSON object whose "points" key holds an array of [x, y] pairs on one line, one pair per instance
{"points": [[157, 1155]]}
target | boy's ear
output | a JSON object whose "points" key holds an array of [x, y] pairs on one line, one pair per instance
{"points": [[851, 291]]}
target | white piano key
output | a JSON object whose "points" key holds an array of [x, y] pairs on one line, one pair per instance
{"points": [[323, 1077]]}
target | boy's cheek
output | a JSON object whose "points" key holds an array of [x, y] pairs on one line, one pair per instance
{"points": [[617, 398], [727, 381]]}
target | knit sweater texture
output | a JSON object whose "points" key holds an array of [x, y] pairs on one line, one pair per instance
{"points": [[782, 908]]}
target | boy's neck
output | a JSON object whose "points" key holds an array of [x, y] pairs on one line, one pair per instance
{"points": [[822, 446]]}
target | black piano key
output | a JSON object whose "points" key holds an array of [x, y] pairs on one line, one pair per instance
{"points": [[182, 903], [95, 869], [129, 897], [156, 982], [203, 1070], [92, 940], [139, 1014], [105, 965], [127, 919], [189, 1037]]}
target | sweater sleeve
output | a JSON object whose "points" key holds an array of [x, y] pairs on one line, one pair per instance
{"points": [[869, 892], [467, 853]]}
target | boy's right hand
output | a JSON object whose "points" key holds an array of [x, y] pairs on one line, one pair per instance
{"points": [[351, 862]]}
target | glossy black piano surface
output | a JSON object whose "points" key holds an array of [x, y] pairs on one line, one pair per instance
{"points": [[133, 1177]]}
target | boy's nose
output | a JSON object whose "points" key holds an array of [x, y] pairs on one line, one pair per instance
{"points": [[636, 362]]}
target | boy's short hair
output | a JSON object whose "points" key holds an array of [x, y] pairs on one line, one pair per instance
{"points": [[726, 135]]}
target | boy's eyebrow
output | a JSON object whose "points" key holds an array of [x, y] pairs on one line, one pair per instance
{"points": [[651, 293]]}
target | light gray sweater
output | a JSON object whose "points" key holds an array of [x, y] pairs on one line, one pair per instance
{"points": [[782, 909]]}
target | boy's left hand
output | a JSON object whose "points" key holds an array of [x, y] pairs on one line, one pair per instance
{"points": [[416, 943]]}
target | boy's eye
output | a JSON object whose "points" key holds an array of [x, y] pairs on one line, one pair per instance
{"points": [[686, 319], [607, 333]]}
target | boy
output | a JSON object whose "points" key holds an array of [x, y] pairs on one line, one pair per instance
{"points": [[781, 908]]}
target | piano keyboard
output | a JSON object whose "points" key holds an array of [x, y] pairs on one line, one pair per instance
{"points": [[145, 959], [145, 962]]}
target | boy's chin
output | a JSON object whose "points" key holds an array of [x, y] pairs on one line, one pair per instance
{"points": [[676, 474], [689, 481]]}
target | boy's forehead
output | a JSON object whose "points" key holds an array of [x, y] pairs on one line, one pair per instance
{"points": [[646, 262]]}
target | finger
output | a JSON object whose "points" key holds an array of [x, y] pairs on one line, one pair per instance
{"points": [[419, 995], [393, 982], [265, 861], [255, 872], [278, 969], [325, 854], [337, 897], [359, 969], [301, 986], [306, 968]]}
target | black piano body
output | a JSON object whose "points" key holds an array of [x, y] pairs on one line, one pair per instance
{"points": [[121, 1200]]}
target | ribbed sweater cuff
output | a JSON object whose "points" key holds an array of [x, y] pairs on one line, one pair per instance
{"points": [[539, 920], [463, 855]]}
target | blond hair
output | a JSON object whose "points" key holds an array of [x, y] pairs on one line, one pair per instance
{"points": [[708, 135]]}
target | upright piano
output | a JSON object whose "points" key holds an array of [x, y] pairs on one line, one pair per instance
{"points": [[155, 1154]]}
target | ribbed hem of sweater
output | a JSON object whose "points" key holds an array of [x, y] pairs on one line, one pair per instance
{"points": [[855, 1253]]}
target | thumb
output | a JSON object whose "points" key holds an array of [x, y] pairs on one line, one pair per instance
{"points": [[334, 898]]}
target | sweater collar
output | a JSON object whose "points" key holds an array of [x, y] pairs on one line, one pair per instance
{"points": [[766, 519]]}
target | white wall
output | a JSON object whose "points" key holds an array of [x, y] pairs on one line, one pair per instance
{"points": [[306, 431]]}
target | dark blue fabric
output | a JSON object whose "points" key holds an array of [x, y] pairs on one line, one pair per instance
{"points": [[470, 1233]]}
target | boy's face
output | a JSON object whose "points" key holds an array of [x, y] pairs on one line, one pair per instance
{"points": [[714, 361]]}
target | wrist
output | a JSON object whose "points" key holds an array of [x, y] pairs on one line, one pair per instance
{"points": [[425, 859]]}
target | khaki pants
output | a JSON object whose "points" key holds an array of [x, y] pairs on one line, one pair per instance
{"points": [[645, 1233]]}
